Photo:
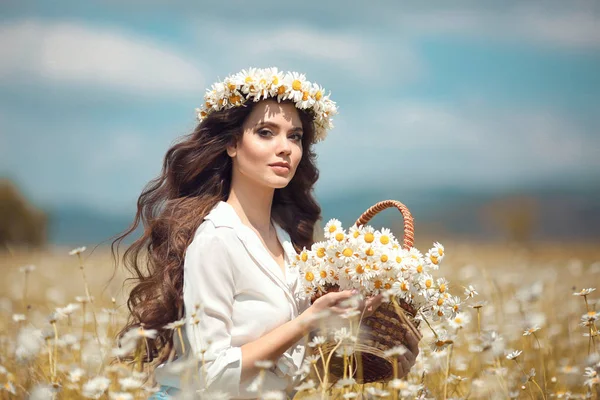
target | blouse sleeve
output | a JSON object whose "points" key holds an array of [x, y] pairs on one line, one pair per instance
{"points": [[209, 290]]}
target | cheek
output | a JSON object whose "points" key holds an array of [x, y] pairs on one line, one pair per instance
{"points": [[253, 156]]}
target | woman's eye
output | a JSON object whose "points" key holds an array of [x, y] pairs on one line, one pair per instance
{"points": [[265, 132], [297, 137]]}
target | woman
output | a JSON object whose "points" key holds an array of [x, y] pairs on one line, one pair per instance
{"points": [[223, 221]]}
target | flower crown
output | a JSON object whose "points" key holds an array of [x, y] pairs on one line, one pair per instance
{"points": [[262, 83]]}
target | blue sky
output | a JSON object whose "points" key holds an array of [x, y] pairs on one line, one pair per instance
{"points": [[471, 94]]}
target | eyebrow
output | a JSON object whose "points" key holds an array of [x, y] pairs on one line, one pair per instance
{"points": [[273, 125]]}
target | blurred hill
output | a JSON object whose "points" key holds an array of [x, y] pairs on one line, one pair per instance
{"points": [[21, 224], [539, 214]]}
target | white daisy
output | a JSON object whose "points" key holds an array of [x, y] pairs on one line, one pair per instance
{"points": [[460, 320], [317, 341], [295, 84], [319, 249], [308, 385], [76, 251], [175, 324], [27, 268], [513, 355], [248, 78], [332, 228], [384, 237]]}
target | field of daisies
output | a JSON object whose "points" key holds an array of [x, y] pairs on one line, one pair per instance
{"points": [[524, 327]]}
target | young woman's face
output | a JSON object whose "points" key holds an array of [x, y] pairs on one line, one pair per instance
{"points": [[272, 135]]}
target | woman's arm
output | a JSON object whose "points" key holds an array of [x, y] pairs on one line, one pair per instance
{"points": [[273, 344], [208, 291]]}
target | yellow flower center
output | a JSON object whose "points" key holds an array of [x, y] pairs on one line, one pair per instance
{"points": [[404, 286], [387, 286], [332, 229], [248, 79], [207, 104], [384, 239], [318, 95], [369, 252], [231, 86], [275, 81], [281, 89], [356, 234], [347, 252], [323, 274], [360, 269], [234, 99], [369, 237], [339, 237], [419, 268], [305, 96], [263, 81], [440, 313], [304, 256], [378, 284], [297, 85], [442, 288], [440, 301], [384, 258], [398, 259], [440, 251], [433, 259], [428, 283], [309, 276], [202, 114], [458, 320], [321, 252]]}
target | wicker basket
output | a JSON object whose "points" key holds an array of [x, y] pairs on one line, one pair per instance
{"points": [[386, 328]]}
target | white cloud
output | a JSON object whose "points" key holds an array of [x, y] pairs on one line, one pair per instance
{"points": [[71, 52], [358, 54], [425, 144], [554, 26]]}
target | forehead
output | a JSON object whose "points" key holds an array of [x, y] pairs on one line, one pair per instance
{"points": [[282, 114]]}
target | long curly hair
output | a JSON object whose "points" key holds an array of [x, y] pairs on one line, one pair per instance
{"points": [[195, 176]]}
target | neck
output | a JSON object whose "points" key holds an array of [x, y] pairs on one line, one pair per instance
{"points": [[252, 204]]}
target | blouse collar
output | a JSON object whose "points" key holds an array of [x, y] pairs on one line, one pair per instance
{"points": [[223, 214]]}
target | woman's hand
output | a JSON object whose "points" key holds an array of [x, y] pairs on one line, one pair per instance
{"points": [[324, 306], [372, 304], [407, 360]]}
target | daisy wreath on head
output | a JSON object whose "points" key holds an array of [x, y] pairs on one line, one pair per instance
{"points": [[255, 84]]}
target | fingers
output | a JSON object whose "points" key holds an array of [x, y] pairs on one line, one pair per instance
{"points": [[374, 302], [412, 343], [404, 365], [335, 297]]}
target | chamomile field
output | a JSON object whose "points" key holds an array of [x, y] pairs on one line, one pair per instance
{"points": [[526, 328]]}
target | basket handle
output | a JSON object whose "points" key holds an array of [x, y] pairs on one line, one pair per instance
{"points": [[409, 225]]}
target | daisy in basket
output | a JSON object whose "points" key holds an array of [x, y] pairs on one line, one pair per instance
{"points": [[374, 262]]}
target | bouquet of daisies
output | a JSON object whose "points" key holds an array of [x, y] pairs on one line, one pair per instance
{"points": [[374, 262]]}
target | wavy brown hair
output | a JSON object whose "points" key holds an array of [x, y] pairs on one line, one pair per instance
{"points": [[195, 176]]}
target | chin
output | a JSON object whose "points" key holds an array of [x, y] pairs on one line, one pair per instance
{"points": [[278, 183]]}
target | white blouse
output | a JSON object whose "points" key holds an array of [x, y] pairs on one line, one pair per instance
{"points": [[243, 294]]}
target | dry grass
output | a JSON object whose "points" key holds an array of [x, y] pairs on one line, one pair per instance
{"points": [[519, 289]]}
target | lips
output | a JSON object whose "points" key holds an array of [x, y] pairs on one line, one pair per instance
{"points": [[280, 164]]}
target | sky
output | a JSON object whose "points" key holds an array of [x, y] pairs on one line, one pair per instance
{"points": [[475, 95]]}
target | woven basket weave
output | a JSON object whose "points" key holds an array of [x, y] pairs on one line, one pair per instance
{"points": [[387, 327]]}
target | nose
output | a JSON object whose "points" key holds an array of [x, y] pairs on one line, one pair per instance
{"points": [[283, 145]]}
